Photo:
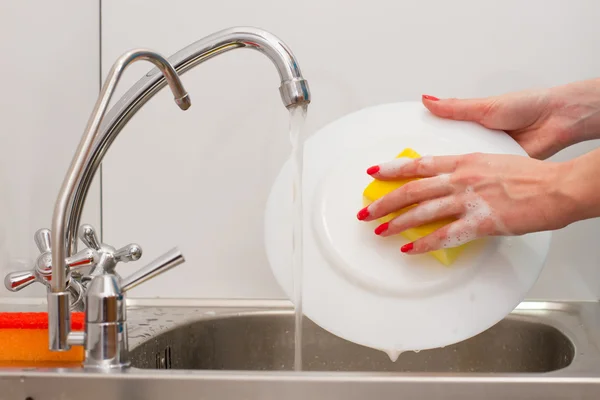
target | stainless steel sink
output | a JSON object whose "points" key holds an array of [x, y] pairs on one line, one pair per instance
{"points": [[242, 349], [264, 340]]}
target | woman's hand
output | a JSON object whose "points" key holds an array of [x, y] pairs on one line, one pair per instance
{"points": [[543, 122], [487, 195]]}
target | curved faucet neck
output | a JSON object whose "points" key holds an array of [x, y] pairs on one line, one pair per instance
{"points": [[294, 91]]}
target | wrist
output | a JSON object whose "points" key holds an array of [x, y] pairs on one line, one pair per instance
{"points": [[577, 108], [559, 203], [580, 187]]}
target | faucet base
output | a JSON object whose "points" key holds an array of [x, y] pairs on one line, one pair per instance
{"points": [[98, 356]]}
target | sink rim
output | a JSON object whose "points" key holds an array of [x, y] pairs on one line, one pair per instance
{"points": [[178, 384]]}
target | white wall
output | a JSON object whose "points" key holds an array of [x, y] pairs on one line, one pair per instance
{"points": [[200, 176], [199, 179], [50, 71]]}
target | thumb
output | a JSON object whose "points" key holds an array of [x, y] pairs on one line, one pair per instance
{"points": [[475, 110]]}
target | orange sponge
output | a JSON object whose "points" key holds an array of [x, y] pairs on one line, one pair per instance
{"points": [[24, 337]]}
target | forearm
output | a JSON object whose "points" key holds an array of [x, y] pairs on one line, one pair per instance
{"points": [[580, 184]]}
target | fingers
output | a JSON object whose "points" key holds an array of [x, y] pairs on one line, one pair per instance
{"points": [[411, 193], [475, 110], [451, 235], [424, 213], [423, 167]]}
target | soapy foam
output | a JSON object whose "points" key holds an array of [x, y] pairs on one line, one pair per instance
{"points": [[431, 209], [444, 178], [435, 183], [392, 168], [424, 213], [428, 210], [466, 229]]}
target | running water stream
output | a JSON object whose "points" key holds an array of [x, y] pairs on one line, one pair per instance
{"points": [[297, 119]]}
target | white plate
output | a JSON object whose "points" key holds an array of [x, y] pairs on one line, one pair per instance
{"points": [[360, 286]]}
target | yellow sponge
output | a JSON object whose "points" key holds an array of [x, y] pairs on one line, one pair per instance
{"points": [[377, 189]]}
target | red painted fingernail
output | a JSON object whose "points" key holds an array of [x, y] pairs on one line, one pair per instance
{"points": [[428, 97], [407, 247], [373, 170], [362, 214], [381, 228]]}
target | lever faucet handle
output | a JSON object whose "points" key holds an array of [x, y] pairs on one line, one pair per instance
{"points": [[170, 259], [83, 258], [42, 240], [88, 236], [42, 272], [131, 252], [18, 280], [15, 281]]}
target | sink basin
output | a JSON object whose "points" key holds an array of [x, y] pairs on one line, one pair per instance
{"points": [[264, 340]]}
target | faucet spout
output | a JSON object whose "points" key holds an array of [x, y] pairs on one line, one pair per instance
{"points": [[58, 298], [293, 89]]}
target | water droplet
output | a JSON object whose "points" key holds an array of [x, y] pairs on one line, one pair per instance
{"points": [[393, 354]]}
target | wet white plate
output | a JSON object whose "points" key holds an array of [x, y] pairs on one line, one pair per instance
{"points": [[360, 286]]}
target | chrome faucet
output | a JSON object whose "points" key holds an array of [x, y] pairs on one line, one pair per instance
{"points": [[98, 258], [88, 280], [103, 291], [105, 336]]}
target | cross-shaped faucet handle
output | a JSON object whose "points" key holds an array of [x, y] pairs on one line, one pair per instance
{"points": [[42, 270], [108, 255], [97, 259]]}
